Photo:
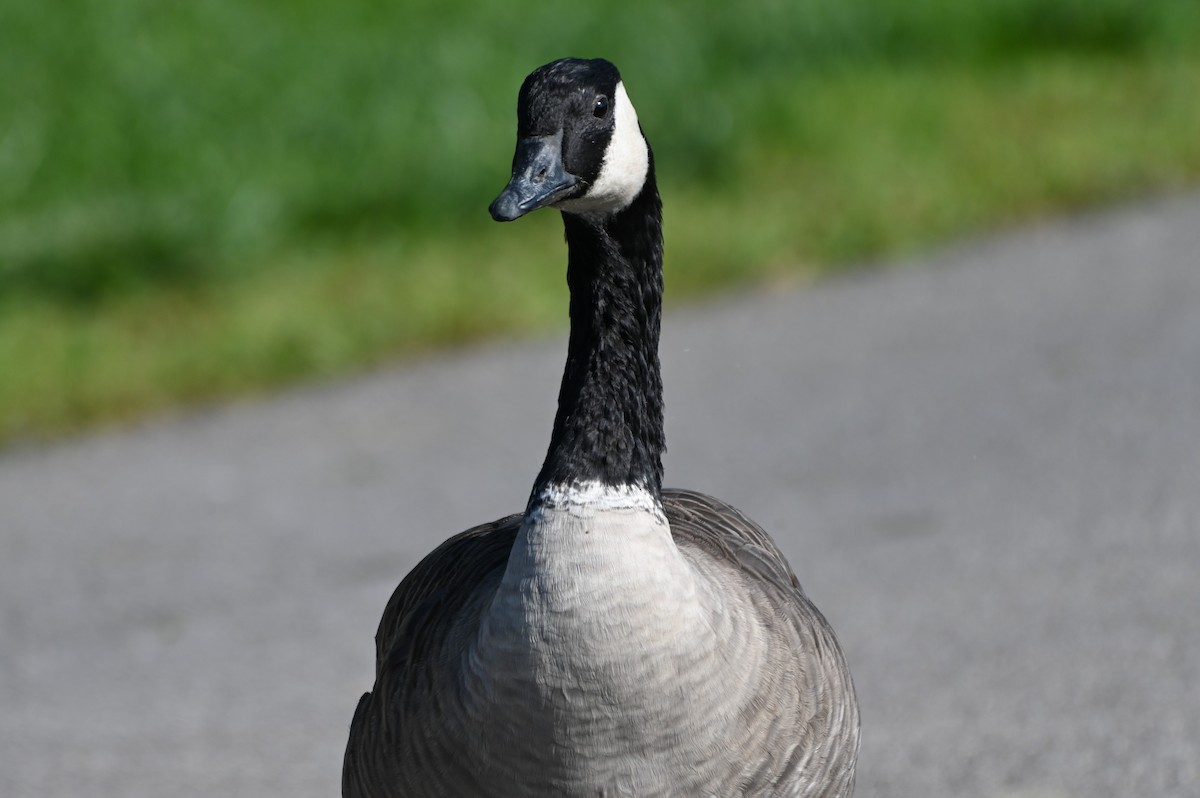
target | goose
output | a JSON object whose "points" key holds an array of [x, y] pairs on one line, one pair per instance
{"points": [[615, 638]]}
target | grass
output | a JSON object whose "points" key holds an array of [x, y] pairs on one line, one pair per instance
{"points": [[203, 200]]}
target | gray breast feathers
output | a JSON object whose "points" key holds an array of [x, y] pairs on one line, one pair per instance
{"points": [[800, 735]]}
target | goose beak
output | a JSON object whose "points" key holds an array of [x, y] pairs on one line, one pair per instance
{"points": [[538, 178]]}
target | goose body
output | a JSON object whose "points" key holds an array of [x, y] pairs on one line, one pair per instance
{"points": [[616, 638]]}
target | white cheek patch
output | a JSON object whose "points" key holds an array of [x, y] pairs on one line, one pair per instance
{"points": [[625, 165]]}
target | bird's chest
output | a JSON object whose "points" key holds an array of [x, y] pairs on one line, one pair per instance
{"points": [[588, 659], [596, 611]]}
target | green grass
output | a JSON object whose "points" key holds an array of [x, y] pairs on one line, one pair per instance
{"points": [[207, 199]]}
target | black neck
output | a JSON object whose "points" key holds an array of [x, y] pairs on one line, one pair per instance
{"points": [[609, 426]]}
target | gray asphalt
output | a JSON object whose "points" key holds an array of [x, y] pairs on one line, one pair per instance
{"points": [[984, 465]]}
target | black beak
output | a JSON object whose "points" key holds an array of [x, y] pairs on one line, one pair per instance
{"points": [[538, 178]]}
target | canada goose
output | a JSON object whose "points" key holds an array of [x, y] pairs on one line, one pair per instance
{"points": [[615, 638]]}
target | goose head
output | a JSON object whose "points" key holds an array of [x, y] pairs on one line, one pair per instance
{"points": [[580, 148]]}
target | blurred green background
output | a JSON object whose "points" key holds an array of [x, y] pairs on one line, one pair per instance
{"points": [[206, 199]]}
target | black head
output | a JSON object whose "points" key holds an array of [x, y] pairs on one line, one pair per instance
{"points": [[579, 145]]}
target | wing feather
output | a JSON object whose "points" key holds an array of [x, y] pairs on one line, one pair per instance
{"points": [[439, 584], [827, 738]]}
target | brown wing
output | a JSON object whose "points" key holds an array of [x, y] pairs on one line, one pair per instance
{"points": [[827, 736], [722, 529], [439, 583], [437, 588]]}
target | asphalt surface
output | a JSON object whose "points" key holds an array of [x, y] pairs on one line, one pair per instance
{"points": [[985, 467]]}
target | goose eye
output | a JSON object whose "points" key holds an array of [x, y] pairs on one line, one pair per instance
{"points": [[601, 107]]}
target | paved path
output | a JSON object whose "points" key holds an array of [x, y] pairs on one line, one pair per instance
{"points": [[985, 467]]}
